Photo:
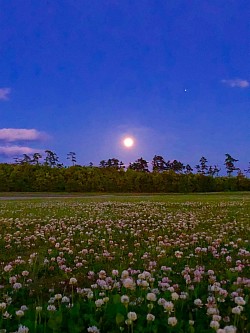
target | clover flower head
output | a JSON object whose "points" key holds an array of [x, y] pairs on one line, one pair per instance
{"points": [[3, 306], [168, 306], [237, 310], [240, 300], [172, 321], [151, 297], [230, 329], [124, 299], [22, 329], [20, 313], [175, 296], [198, 302], [214, 324], [93, 329], [73, 280], [132, 316], [150, 317]]}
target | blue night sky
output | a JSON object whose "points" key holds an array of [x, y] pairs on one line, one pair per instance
{"points": [[80, 75]]}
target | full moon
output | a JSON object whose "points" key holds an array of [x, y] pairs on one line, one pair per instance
{"points": [[128, 142]]}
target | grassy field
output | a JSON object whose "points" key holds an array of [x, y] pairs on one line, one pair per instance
{"points": [[125, 263]]}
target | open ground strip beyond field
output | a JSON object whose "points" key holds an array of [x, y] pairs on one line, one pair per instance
{"points": [[174, 263]]}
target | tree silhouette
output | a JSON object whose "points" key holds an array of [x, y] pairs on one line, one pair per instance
{"points": [[248, 169], [229, 164], [72, 157], [176, 166], [36, 158], [188, 169], [103, 164], [26, 159], [139, 165], [198, 168], [203, 165], [113, 163], [158, 164], [51, 159]]}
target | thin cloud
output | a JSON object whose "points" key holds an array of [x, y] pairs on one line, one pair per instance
{"points": [[16, 150], [236, 83], [21, 134], [4, 93]]}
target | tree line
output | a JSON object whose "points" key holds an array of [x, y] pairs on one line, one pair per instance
{"points": [[31, 173]]}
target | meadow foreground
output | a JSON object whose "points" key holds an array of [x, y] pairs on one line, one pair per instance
{"points": [[156, 264]]}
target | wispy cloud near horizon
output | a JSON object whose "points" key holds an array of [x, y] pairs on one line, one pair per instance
{"points": [[239, 83], [4, 93], [21, 134], [9, 151]]}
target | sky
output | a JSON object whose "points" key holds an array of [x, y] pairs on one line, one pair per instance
{"points": [[81, 75]]}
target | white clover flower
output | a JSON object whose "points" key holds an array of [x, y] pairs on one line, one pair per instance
{"points": [[58, 297], [99, 303], [198, 302], [3, 306], [175, 296], [65, 299], [73, 280], [172, 321], [115, 272], [178, 254], [12, 279], [216, 317], [214, 324], [124, 299], [23, 329], [51, 300], [141, 276], [239, 300], [191, 322], [8, 268], [102, 274], [17, 285], [132, 316], [210, 272], [39, 308], [7, 315], [226, 319], [168, 306], [212, 311], [150, 317], [161, 301], [237, 310], [24, 308], [90, 294], [151, 297], [93, 329], [51, 308], [230, 329], [129, 283], [20, 313], [183, 295], [143, 283], [124, 274]]}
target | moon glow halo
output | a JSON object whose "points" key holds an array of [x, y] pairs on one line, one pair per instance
{"points": [[128, 142]]}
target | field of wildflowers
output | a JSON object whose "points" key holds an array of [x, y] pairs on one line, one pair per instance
{"points": [[125, 265]]}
